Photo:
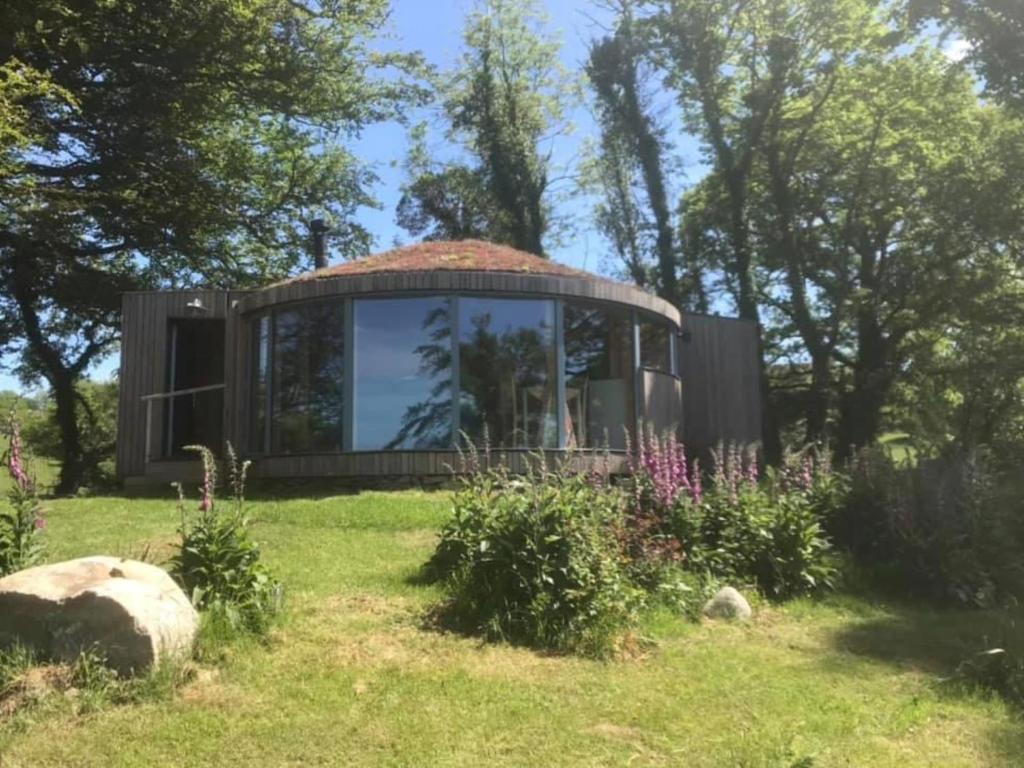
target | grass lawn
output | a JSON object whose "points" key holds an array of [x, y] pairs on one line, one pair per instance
{"points": [[351, 677]]}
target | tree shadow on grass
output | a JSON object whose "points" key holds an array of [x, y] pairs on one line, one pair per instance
{"points": [[931, 640], [951, 645]]}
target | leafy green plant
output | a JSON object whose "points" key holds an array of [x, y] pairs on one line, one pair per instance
{"points": [[22, 522], [763, 531], [217, 562], [764, 536], [534, 560], [946, 529]]}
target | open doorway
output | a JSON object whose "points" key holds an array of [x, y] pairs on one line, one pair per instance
{"points": [[195, 368]]}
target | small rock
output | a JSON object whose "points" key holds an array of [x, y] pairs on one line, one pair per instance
{"points": [[727, 603]]}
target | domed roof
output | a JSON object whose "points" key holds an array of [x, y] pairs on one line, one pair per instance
{"points": [[449, 255]]}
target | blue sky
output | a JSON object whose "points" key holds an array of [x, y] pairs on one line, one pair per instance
{"points": [[435, 29]]}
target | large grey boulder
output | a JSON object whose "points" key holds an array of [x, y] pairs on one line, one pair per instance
{"points": [[727, 604], [131, 612]]}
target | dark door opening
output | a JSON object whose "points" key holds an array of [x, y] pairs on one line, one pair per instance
{"points": [[195, 361]]}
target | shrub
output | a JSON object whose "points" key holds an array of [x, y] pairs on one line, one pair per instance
{"points": [[22, 522], [217, 563], [768, 533], [946, 529], [534, 560]]}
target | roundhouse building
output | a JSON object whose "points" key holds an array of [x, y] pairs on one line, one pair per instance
{"points": [[380, 367]]}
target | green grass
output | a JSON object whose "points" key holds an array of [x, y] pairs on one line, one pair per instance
{"points": [[352, 677]]}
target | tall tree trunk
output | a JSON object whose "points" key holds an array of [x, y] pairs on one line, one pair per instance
{"points": [[860, 415], [795, 256], [60, 375], [648, 151], [72, 467], [818, 400]]}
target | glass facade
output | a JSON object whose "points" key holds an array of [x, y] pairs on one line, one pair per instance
{"points": [[508, 372], [307, 381], [412, 373], [655, 345], [261, 382], [403, 373], [598, 375]]}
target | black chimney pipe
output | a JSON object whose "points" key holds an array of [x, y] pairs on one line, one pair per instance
{"points": [[318, 228]]}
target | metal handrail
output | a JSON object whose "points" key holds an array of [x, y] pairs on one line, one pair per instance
{"points": [[150, 399], [175, 393]]}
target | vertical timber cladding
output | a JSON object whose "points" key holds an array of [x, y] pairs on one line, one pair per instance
{"points": [[718, 362], [661, 401], [143, 371]]}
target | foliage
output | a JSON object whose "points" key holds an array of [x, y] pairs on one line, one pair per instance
{"points": [[217, 564], [117, 131], [862, 202], [947, 529], [561, 560], [993, 31], [446, 203], [21, 524], [533, 560], [629, 170], [97, 418], [502, 105], [769, 533]]}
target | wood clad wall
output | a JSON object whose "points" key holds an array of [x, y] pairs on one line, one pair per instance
{"points": [[718, 363], [661, 407], [411, 463], [143, 371]]}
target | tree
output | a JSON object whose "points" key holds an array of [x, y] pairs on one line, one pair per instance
{"points": [[994, 32], [632, 144], [843, 204], [138, 156], [444, 201], [734, 66], [895, 251], [502, 104]]}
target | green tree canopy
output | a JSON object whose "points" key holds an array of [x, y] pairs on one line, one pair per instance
{"points": [[165, 144], [502, 105]]}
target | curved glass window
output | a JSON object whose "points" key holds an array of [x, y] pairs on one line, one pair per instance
{"points": [[307, 379], [403, 373], [508, 371], [655, 345], [425, 367], [598, 375]]}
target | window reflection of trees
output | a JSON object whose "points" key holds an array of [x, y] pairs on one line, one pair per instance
{"points": [[308, 380], [507, 377], [428, 423], [598, 375], [655, 346], [405, 394]]}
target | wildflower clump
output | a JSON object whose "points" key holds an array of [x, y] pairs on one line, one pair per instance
{"points": [[22, 520], [766, 532], [217, 563]]}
